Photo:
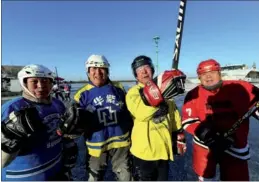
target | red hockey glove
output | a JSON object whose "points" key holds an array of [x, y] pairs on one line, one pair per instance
{"points": [[171, 83], [150, 94], [179, 145]]}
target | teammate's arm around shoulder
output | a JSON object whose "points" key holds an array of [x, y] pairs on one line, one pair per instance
{"points": [[190, 119], [137, 107]]}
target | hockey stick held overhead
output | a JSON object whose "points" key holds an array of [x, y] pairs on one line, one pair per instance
{"points": [[179, 32]]}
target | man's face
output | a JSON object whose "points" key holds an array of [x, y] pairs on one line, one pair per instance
{"points": [[39, 87], [98, 76], [144, 74], [210, 78]]}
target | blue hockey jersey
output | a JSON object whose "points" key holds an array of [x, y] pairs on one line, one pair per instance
{"points": [[40, 157], [108, 105]]}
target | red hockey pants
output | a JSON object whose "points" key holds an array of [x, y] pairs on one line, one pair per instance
{"points": [[231, 168]]}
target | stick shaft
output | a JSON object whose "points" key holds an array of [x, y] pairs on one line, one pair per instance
{"points": [[179, 32]]}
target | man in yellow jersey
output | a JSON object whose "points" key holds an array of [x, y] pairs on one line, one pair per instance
{"points": [[157, 129], [110, 121]]}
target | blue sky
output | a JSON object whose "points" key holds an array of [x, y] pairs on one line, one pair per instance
{"points": [[63, 34]]}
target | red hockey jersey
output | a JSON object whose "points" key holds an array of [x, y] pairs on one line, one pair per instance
{"points": [[224, 106]]}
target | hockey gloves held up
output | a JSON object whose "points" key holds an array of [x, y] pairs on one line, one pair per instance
{"points": [[166, 85], [151, 95], [19, 127], [170, 83]]}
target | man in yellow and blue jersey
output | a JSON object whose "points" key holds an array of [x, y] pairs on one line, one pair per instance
{"points": [[110, 139]]}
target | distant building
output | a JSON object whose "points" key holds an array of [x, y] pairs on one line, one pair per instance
{"points": [[9, 80], [11, 71]]}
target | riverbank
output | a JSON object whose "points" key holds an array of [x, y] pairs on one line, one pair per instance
{"points": [[5, 96], [10, 94]]}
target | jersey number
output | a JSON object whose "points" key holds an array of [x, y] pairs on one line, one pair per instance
{"points": [[189, 111]]}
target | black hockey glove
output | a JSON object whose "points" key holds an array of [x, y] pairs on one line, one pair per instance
{"points": [[77, 121], [207, 135], [161, 113], [19, 127], [70, 152], [73, 122]]}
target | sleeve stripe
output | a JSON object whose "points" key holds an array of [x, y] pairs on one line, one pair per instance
{"points": [[198, 142], [185, 126], [240, 151], [190, 121]]}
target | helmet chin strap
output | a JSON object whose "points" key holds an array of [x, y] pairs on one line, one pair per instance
{"points": [[28, 95], [25, 90], [213, 87]]}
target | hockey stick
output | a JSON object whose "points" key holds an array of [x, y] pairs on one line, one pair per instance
{"points": [[237, 124], [179, 32], [210, 141]]}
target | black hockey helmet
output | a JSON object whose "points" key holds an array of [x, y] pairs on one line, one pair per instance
{"points": [[140, 61]]}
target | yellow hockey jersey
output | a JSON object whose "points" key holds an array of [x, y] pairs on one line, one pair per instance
{"points": [[151, 141]]}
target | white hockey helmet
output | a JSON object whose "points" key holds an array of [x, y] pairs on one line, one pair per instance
{"points": [[98, 61], [34, 70]]}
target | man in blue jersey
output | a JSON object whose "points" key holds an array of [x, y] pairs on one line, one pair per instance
{"points": [[109, 120], [31, 148]]}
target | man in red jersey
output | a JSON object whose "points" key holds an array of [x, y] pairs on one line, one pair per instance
{"points": [[210, 110]]}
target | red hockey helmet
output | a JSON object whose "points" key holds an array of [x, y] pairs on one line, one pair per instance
{"points": [[208, 65]]}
